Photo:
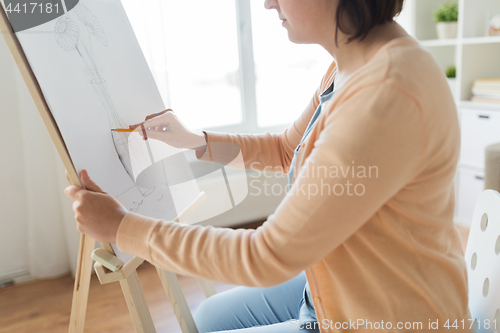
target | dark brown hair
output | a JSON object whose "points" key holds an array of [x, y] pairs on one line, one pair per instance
{"points": [[357, 18]]}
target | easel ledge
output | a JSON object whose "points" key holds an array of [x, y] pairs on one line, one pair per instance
{"points": [[127, 275]]}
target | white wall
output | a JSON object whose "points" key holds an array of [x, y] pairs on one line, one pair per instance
{"points": [[38, 236], [13, 218], [407, 19]]}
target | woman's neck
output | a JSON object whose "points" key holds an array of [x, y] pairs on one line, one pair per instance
{"points": [[350, 57]]}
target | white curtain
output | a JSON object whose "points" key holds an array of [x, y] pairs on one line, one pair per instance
{"points": [[38, 234], [147, 22], [52, 236]]}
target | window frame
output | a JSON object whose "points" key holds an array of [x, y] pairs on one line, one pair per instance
{"points": [[246, 77]]}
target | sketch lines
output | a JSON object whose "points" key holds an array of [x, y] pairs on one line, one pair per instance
{"points": [[70, 37], [88, 39], [67, 34]]}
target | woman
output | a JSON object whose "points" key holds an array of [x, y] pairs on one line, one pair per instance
{"points": [[370, 214]]}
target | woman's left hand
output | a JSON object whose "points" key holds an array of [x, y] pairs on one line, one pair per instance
{"points": [[97, 214]]}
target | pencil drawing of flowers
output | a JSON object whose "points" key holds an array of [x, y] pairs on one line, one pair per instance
{"points": [[70, 37], [67, 34], [92, 24]]}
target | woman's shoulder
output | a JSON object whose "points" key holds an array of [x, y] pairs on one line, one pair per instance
{"points": [[398, 58], [407, 66], [403, 85]]}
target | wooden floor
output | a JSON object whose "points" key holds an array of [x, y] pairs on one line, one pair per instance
{"points": [[44, 306]]}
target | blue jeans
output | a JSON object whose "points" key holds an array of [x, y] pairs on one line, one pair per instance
{"points": [[254, 310]]}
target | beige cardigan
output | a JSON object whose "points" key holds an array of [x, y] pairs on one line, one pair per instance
{"points": [[387, 250]]}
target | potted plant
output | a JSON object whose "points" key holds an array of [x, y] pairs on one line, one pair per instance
{"points": [[446, 17], [451, 74]]}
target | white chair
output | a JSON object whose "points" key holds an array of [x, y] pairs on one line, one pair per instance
{"points": [[483, 263]]}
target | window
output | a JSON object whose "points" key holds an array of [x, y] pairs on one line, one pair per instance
{"points": [[287, 74], [213, 76]]}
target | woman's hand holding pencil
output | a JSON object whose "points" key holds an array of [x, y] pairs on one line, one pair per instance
{"points": [[166, 127]]}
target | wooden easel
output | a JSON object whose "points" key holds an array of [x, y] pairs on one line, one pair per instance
{"points": [[129, 282], [127, 275]]}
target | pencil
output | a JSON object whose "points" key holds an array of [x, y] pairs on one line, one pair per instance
{"points": [[127, 130]]}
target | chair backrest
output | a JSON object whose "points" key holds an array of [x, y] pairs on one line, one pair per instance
{"points": [[483, 263]]}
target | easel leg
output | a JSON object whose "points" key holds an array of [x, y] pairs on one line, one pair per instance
{"points": [[82, 285], [207, 287], [137, 305], [178, 301]]}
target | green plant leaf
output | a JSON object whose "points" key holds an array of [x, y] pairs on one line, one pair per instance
{"points": [[447, 12], [451, 72]]}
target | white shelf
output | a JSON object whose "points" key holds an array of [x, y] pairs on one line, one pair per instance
{"points": [[464, 41], [470, 167], [439, 42], [477, 105], [475, 56], [481, 40]]}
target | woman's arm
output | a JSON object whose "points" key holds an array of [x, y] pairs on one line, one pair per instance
{"points": [[377, 126], [269, 151]]}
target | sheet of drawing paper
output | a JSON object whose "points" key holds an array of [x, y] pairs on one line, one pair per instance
{"points": [[94, 77]]}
